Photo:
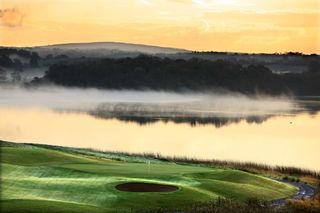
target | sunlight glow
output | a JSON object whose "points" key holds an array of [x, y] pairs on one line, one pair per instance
{"points": [[202, 3], [221, 25], [226, 2], [145, 2]]}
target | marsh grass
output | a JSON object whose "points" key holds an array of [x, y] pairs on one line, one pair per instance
{"points": [[222, 205], [306, 205]]}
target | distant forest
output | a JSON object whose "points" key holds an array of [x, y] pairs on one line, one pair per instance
{"points": [[147, 72]]}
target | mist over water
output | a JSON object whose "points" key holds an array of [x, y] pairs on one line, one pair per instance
{"points": [[147, 103], [34, 115]]}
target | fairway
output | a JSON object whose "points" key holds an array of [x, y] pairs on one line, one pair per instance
{"points": [[38, 179]]}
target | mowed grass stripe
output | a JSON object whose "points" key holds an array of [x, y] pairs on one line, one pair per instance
{"points": [[41, 174]]}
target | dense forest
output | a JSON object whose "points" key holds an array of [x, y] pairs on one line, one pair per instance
{"points": [[15, 58], [147, 72]]}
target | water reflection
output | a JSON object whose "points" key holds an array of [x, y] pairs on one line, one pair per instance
{"points": [[279, 140], [192, 121], [203, 113], [226, 126]]}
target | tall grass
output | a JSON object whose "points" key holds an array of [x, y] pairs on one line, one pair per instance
{"points": [[250, 206], [248, 166], [222, 205], [306, 205]]}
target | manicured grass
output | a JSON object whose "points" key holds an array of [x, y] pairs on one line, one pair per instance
{"points": [[35, 178]]}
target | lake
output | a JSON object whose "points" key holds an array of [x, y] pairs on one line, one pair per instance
{"points": [[290, 140]]}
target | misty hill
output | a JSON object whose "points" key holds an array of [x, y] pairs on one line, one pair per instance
{"points": [[278, 62], [23, 64], [104, 49], [126, 47], [146, 72], [291, 62]]}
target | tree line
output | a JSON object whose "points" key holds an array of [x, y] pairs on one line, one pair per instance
{"points": [[147, 72], [15, 63]]}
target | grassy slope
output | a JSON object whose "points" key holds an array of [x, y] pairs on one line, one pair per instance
{"points": [[59, 181]]}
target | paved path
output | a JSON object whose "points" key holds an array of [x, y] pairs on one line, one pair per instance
{"points": [[305, 191]]}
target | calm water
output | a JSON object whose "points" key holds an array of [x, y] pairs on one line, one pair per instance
{"points": [[291, 139]]}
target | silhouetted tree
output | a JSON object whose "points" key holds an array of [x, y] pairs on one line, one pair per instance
{"points": [[177, 74], [314, 67], [5, 61], [48, 57], [17, 64], [34, 60], [15, 76], [3, 75]]}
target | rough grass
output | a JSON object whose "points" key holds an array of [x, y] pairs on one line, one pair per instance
{"points": [[252, 167], [306, 205], [40, 206], [40, 177]]}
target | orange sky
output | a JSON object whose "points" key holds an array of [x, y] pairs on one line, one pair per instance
{"points": [[219, 25]]}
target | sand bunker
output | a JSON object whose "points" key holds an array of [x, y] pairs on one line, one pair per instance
{"points": [[146, 187]]}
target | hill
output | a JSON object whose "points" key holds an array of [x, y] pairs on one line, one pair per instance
{"points": [[38, 178], [103, 49]]}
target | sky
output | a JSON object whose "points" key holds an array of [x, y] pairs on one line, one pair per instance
{"points": [[253, 26]]}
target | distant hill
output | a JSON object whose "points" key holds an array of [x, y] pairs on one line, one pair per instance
{"points": [[117, 46]]}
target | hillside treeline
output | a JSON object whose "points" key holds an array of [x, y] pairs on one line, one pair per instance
{"points": [[147, 72]]}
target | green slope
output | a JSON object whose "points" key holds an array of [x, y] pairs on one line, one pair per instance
{"points": [[36, 178]]}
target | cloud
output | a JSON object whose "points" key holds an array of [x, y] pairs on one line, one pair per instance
{"points": [[145, 2], [11, 17]]}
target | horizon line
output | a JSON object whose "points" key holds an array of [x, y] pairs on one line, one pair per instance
{"points": [[156, 46]]}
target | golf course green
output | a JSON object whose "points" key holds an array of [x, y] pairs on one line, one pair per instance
{"points": [[38, 178]]}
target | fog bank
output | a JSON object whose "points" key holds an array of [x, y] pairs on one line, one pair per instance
{"points": [[146, 103]]}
